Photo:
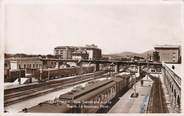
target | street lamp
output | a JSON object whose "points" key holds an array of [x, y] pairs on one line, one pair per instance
{"points": [[19, 78], [48, 74], [134, 94], [41, 71], [111, 69], [19, 71]]}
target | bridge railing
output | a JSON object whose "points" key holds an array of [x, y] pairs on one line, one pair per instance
{"points": [[173, 75]]}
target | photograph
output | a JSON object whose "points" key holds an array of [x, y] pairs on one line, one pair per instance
{"points": [[93, 56]]}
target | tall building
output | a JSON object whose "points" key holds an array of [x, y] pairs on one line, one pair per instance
{"points": [[66, 52], [80, 54], [94, 53], [169, 53]]}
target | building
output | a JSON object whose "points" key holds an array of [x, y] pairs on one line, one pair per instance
{"points": [[94, 52], [28, 63], [169, 53], [24, 63], [79, 55], [66, 52]]}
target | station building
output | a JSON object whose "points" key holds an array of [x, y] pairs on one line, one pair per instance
{"points": [[23, 63], [28, 63], [169, 53]]}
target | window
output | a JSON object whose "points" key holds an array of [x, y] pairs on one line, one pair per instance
{"points": [[174, 55], [57, 51], [36, 65], [39, 66], [19, 66]]}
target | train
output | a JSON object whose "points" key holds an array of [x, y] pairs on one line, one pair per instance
{"points": [[46, 74], [49, 74], [95, 97], [12, 75]]}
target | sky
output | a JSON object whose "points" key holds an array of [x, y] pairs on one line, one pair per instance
{"points": [[38, 28]]}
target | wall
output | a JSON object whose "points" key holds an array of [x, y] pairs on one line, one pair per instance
{"points": [[173, 84], [169, 55]]}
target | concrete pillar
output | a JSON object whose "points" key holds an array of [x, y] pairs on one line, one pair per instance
{"points": [[19, 78], [80, 65], [138, 69], [44, 64], [97, 67], [58, 64], [117, 68], [41, 71]]}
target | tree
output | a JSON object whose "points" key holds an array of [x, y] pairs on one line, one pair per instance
{"points": [[156, 56]]}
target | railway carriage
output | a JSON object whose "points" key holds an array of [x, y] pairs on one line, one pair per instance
{"points": [[12, 75], [91, 98], [48, 74], [95, 97]]}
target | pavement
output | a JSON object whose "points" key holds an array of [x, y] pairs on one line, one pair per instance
{"points": [[127, 104]]}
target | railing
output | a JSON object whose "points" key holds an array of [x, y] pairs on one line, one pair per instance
{"points": [[173, 75]]}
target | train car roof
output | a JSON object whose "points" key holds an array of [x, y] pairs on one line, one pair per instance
{"points": [[79, 93], [50, 69], [95, 92], [124, 73], [117, 79]]}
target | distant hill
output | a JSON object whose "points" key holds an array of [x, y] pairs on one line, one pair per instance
{"points": [[144, 54], [130, 54]]}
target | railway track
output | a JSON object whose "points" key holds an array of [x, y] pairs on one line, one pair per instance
{"points": [[11, 98], [157, 102], [39, 84]]}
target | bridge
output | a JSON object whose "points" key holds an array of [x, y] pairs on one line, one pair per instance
{"points": [[116, 63], [172, 81]]}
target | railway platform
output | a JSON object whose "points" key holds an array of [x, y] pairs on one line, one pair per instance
{"points": [[128, 104]]}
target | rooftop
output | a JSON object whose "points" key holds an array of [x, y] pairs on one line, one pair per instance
{"points": [[23, 58], [83, 47], [77, 93], [167, 46]]}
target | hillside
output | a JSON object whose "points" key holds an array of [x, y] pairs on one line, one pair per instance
{"points": [[130, 54]]}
